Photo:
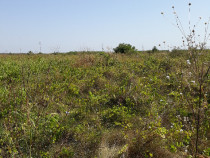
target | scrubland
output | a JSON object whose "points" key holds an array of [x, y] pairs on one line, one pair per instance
{"points": [[103, 105]]}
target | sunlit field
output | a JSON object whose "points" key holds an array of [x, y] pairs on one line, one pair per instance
{"points": [[103, 105]]}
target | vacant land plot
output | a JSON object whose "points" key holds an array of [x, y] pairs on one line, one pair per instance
{"points": [[102, 105]]}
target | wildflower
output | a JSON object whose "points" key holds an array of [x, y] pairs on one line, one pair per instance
{"points": [[161, 100], [188, 62], [193, 82], [185, 150], [181, 130], [67, 112], [168, 77], [180, 93], [190, 73]]}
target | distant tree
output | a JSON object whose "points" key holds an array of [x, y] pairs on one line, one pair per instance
{"points": [[30, 53], [124, 48], [154, 49]]}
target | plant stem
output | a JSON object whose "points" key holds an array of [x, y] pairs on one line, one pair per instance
{"points": [[198, 120]]}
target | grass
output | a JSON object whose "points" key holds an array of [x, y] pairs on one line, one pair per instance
{"points": [[101, 105]]}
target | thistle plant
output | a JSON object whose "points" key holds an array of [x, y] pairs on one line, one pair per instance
{"points": [[199, 78]]}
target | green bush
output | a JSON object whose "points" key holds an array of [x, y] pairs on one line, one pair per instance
{"points": [[125, 48], [178, 53], [154, 49]]}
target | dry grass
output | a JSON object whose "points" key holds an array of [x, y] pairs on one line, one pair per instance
{"points": [[111, 144]]}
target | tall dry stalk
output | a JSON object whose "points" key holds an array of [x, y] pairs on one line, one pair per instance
{"points": [[196, 49]]}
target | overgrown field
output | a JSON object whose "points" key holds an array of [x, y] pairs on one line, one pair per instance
{"points": [[88, 105]]}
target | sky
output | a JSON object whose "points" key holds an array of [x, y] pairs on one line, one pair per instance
{"points": [[93, 25]]}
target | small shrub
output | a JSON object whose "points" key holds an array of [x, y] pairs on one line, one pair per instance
{"points": [[125, 48], [178, 53], [116, 116], [66, 152], [30, 52], [154, 49]]}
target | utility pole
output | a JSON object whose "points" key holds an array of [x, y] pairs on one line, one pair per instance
{"points": [[102, 47], [40, 46]]}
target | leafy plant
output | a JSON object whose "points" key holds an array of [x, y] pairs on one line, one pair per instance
{"points": [[154, 49], [124, 48]]}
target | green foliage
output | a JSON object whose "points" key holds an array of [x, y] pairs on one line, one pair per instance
{"points": [[178, 53], [84, 105], [154, 49], [116, 116], [30, 52], [125, 48], [66, 152]]}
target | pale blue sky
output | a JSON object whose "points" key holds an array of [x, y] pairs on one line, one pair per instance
{"points": [[75, 25]]}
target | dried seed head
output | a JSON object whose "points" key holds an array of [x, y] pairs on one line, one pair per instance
{"points": [[173, 7], [205, 23], [162, 13], [200, 17], [189, 4], [193, 31]]}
